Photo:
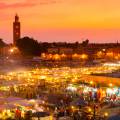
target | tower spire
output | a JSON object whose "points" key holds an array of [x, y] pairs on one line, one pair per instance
{"points": [[16, 18], [16, 29]]}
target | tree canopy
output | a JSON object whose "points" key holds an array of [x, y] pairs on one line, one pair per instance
{"points": [[2, 43], [28, 46], [85, 43]]}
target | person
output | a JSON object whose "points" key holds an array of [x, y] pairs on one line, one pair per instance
{"points": [[37, 96], [18, 114], [28, 115]]}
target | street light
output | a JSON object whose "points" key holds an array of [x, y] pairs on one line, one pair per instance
{"points": [[11, 50], [89, 109], [91, 82], [106, 114], [110, 84]]}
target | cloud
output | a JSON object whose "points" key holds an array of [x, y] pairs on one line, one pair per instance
{"points": [[15, 5], [4, 4]]}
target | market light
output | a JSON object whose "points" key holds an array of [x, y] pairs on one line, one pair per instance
{"points": [[73, 80], [57, 77], [103, 50], [103, 92], [105, 114], [73, 108], [91, 82], [43, 102], [99, 54], [89, 109], [84, 56], [42, 77], [110, 84], [32, 101], [11, 50], [71, 88]]}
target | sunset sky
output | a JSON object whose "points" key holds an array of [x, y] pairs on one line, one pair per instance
{"points": [[62, 20]]}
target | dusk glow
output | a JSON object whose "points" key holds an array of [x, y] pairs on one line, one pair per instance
{"points": [[59, 59], [62, 20]]}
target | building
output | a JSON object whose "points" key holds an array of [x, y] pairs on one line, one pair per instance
{"points": [[53, 50], [5, 51], [64, 50], [63, 53], [16, 29], [113, 53], [10, 51], [60, 50]]}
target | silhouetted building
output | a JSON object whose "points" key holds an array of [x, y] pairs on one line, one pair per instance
{"points": [[16, 29]]}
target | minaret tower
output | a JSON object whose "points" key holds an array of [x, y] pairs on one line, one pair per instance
{"points": [[16, 29]]}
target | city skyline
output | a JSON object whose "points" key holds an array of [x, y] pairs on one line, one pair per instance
{"points": [[62, 20]]}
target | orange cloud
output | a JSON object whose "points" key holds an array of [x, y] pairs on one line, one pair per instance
{"points": [[27, 3], [15, 5]]}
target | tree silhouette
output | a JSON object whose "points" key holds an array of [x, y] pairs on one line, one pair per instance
{"points": [[85, 43], [28, 46], [2, 43]]}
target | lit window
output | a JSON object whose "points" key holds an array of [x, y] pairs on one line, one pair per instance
{"points": [[16, 26], [17, 33]]}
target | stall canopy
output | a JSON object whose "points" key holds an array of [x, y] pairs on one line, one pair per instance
{"points": [[40, 114], [78, 102]]}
